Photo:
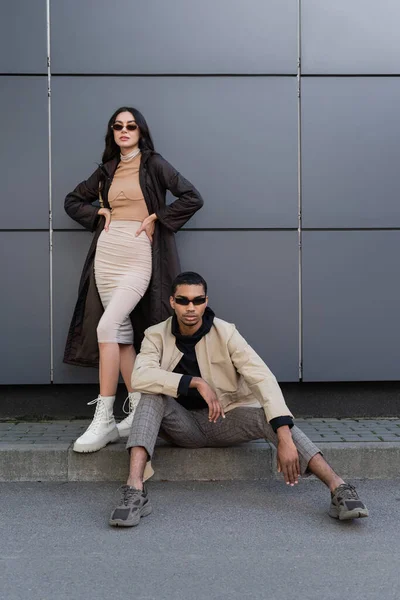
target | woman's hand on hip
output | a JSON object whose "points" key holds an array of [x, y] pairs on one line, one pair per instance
{"points": [[106, 213], [148, 225]]}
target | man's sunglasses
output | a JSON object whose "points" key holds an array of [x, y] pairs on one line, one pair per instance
{"points": [[129, 127], [185, 301]]}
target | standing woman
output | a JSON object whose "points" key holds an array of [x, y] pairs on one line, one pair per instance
{"points": [[132, 261]]}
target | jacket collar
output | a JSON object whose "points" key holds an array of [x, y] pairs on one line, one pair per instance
{"points": [[208, 319], [146, 155], [109, 167]]}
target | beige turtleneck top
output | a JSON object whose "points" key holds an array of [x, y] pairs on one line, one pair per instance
{"points": [[125, 194]]}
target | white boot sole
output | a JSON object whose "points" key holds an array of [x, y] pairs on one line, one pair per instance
{"points": [[113, 436], [123, 431]]}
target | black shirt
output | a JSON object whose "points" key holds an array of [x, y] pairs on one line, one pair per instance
{"points": [[188, 366]]}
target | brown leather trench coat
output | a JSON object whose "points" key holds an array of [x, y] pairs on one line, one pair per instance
{"points": [[156, 176]]}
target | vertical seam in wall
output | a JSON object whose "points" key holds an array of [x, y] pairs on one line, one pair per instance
{"points": [[50, 194], [299, 191]]}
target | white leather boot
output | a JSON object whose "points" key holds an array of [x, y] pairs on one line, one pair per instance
{"points": [[102, 430], [125, 426]]}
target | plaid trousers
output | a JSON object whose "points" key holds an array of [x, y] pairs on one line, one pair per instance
{"points": [[162, 415]]}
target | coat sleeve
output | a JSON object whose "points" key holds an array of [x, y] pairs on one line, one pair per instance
{"points": [[147, 375], [258, 377], [189, 201], [78, 203]]}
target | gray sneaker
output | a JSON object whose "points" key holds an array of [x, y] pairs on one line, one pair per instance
{"points": [[346, 503], [134, 504]]}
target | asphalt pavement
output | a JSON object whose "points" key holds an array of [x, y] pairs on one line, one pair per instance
{"points": [[204, 540]]}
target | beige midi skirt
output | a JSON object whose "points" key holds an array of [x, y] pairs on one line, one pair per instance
{"points": [[122, 269]]}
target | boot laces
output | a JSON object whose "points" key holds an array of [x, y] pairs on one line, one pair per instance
{"points": [[101, 416], [130, 403]]}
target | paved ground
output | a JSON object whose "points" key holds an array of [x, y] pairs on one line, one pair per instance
{"points": [[214, 541], [319, 430]]}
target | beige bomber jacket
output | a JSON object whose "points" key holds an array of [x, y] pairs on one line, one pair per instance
{"points": [[226, 361]]}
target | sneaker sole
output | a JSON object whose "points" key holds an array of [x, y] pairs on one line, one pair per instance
{"points": [[133, 522], [357, 513], [111, 437]]}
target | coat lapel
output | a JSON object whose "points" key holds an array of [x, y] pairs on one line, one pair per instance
{"points": [[108, 169]]}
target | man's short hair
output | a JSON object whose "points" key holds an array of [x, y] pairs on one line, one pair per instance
{"points": [[188, 278]]}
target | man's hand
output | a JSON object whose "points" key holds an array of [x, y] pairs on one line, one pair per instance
{"points": [[215, 409], [148, 225], [106, 213], [288, 457]]}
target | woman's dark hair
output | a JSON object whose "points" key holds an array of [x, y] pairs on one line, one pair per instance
{"points": [[188, 278], [112, 150]]}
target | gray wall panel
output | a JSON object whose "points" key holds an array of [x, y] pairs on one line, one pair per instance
{"points": [[188, 67], [24, 152], [234, 138], [351, 296], [359, 37], [248, 286], [23, 41], [253, 279], [350, 134], [178, 36], [25, 313], [69, 253]]}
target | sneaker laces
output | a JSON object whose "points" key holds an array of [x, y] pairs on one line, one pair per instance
{"points": [[101, 415], [347, 491], [129, 494]]}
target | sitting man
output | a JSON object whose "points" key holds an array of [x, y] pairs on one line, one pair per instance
{"points": [[203, 385]]}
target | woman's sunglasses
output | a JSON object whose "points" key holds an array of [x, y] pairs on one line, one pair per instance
{"points": [[185, 301], [119, 127]]}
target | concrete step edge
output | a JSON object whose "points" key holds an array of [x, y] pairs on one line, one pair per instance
{"points": [[255, 460]]}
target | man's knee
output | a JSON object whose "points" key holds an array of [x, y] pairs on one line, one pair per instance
{"points": [[151, 398], [170, 404], [149, 404]]}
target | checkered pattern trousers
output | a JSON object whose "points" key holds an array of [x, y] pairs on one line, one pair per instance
{"points": [[162, 415]]}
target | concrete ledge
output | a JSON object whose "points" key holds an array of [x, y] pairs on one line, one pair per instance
{"points": [[30, 462], [255, 460], [368, 460], [247, 461], [109, 464], [355, 460], [243, 462]]}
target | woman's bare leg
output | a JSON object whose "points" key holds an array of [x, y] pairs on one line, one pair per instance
{"points": [[109, 368], [114, 356], [127, 358]]}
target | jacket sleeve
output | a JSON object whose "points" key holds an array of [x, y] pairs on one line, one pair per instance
{"points": [[175, 215], [258, 377], [78, 204], [147, 375]]}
